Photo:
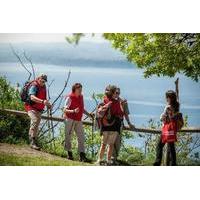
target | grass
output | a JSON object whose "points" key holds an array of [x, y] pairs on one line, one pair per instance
{"points": [[16, 160], [22, 155]]}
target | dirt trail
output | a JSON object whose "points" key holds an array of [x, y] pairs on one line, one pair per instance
{"points": [[25, 151]]}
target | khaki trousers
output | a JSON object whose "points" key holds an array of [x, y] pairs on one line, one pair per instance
{"points": [[70, 127], [35, 117]]}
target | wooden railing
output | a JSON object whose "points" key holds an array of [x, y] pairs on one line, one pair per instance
{"points": [[141, 130]]}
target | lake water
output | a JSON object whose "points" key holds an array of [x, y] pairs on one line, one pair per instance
{"points": [[146, 97]]}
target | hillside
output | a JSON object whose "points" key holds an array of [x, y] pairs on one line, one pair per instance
{"points": [[23, 155]]}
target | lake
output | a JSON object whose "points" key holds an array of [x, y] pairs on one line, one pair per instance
{"points": [[146, 97]]}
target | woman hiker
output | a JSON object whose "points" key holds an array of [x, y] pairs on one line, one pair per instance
{"points": [[117, 144], [172, 122], [73, 112], [112, 114]]}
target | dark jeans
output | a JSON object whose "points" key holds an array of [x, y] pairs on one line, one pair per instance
{"points": [[171, 153]]}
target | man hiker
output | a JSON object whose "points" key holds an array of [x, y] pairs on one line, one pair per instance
{"points": [[73, 112], [35, 106], [117, 144], [112, 114]]}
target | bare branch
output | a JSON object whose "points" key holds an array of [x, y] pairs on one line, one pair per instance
{"points": [[21, 62], [32, 67], [65, 85]]}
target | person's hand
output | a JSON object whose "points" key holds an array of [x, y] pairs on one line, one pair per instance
{"points": [[123, 101], [131, 126], [108, 104], [91, 115], [47, 103], [76, 110]]}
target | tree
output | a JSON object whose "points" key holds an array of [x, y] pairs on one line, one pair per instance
{"points": [[161, 54]]}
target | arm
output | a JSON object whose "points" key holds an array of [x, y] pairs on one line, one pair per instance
{"points": [[67, 105], [163, 116], [36, 99], [126, 113]]}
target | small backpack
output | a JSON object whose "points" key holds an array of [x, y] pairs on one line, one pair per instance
{"points": [[103, 116], [179, 121], [169, 132], [24, 92]]}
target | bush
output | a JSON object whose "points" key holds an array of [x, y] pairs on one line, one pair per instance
{"points": [[13, 129]]}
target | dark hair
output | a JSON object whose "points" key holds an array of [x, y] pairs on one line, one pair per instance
{"points": [[173, 97], [110, 90], [76, 86]]}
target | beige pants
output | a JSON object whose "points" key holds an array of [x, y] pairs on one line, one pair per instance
{"points": [[35, 117], [70, 127], [109, 137]]}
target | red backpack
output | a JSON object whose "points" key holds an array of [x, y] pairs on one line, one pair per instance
{"points": [[169, 132]]}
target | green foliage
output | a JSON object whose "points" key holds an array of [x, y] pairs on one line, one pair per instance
{"points": [[160, 54], [9, 96], [13, 128]]}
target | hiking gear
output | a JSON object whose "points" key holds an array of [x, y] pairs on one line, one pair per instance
{"points": [[41, 94], [33, 143], [169, 132], [179, 121], [109, 163], [70, 155], [83, 157], [24, 92], [75, 102], [103, 116], [100, 162]]}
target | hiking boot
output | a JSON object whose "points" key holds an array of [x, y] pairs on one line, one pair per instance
{"points": [[109, 163], [70, 156], [33, 144], [100, 163], [156, 164], [83, 158]]}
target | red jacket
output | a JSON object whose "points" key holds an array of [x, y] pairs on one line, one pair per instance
{"points": [[75, 102], [41, 93], [115, 108]]}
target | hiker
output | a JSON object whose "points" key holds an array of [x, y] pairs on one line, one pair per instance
{"points": [[117, 144], [112, 115], [172, 122], [73, 112], [34, 105]]}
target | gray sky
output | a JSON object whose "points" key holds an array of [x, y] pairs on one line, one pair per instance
{"points": [[43, 37]]}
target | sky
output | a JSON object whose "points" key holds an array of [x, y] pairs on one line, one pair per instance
{"points": [[44, 37]]}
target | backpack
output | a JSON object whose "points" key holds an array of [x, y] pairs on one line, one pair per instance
{"points": [[103, 116], [24, 92], [179, 121], [169, 131]]}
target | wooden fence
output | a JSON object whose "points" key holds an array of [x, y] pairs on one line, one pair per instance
{"points": [[140, 130]]}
